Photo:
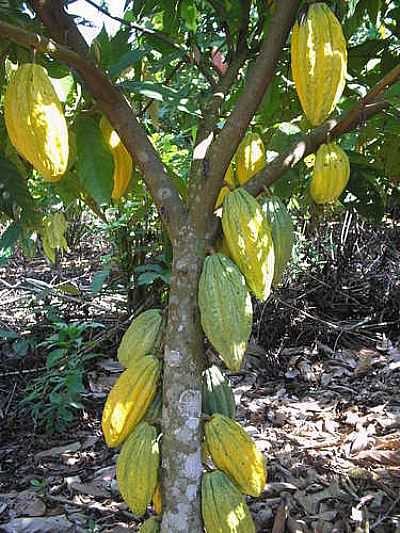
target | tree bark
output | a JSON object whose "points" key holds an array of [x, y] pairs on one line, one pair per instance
{"points": [[183, 366]]}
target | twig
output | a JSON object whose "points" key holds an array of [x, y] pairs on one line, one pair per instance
{"points": [[382, 518]]}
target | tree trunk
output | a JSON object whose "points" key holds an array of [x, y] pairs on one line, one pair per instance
{"points": [[181, 419]]}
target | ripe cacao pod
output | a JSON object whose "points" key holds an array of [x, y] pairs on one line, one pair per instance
{"points": [[225, 309], [249, 239], [330, 174], [128, 400], [121, 156], [217, 393], [137, 467], [230, 183], [223, 507], [35, 121], [319, 61], [250, 157], [140, 338], [151, 525], [157, 502], [234, 452], [282, 233]]}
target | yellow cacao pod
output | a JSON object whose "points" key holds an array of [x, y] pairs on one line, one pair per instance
{"points": [[157, 503], [319, 61], [128, 400], [223, 507], [137, 467], [250, 157], [330, 174], [248, 236], [229, 180], [225, 309], [35, 121], [151, 525], [122, 159], [140, 338], [234, 452]]}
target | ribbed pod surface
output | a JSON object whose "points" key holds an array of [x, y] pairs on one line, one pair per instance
{"points": [[217, 393], [128, 400], [282, 233], [330, 174], [234, 452], [223, 507], [249, 239], [35, 121], [319, 61], [250, 157], [225, 309], [137, 467], [122, 159], [140, 338]]}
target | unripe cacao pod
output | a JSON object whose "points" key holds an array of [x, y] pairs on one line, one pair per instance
{"points": [[128, 400], [35, 121], [330, 174], [223, 507], [154, 411], [137, 467], [140, 338], [157, 502], [217, 393], [234, 452], [319, 61], [151, 525], [121, 156], [249, 239], [282, 233], [250, 157], [225, 309]]}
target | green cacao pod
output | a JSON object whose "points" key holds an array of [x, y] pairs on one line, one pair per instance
{"points": [[140, 338], [282, 233], [319, 61], [129, 399], [217, 393], [35, 121], [249, 239], [137, 467], [250, 157], [151, 525], [157, 502], [154, 411], [121, 156], [330, 174], [225, 309], [234, 452], [223, 507]]}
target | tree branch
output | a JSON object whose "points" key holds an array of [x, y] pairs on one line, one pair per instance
{"points": [[112, 102], [219, 154], [364, 109]]}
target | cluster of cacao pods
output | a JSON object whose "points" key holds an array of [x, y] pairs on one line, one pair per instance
{"points": [[319, 66], [38, 130]]}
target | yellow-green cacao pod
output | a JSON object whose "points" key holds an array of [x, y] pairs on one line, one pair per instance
{"points": [[230, 183], [151, 525], [137, 467], [121, 156], [157, 502], [35, 121], [250, 157], [319, 61], [52, 232], [129, 399], [225, 309], [282, 233], [330, 174], [223, 507], [234, 452], [217, 393], [140, 338], [249, 239]]}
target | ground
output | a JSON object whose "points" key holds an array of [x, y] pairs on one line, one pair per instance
{"points": [[319, 392]]}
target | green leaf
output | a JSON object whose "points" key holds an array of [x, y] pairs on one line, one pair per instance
{"points": [[9, 239], [63, 86], [8, 334], [14, 192], [189, 14], [98, 281], [95, 162], [127, 60]]}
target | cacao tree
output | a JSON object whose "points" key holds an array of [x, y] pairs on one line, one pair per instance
{"points": [[206, 74]]}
